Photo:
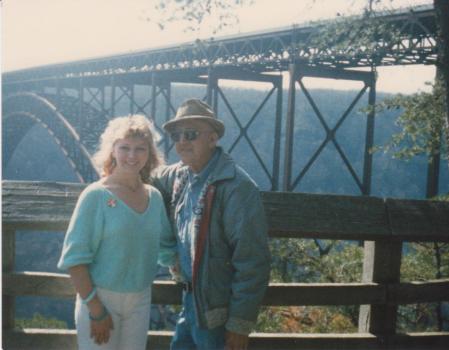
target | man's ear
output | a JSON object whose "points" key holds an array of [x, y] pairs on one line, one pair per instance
{"points": [[213, 138]]}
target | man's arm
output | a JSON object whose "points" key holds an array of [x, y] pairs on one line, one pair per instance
{"points": [[245, 226], [162, 179]]}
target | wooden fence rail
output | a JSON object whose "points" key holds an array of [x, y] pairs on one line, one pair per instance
{"points": [[382, 224]]}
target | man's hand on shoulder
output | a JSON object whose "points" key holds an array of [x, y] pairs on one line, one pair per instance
{"points": [[175, 271]]}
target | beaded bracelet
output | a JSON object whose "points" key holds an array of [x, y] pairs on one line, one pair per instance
{"points": [[90, 296], [103, 315]]}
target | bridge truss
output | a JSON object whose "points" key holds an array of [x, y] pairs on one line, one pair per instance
{"points": [[87, 93]]}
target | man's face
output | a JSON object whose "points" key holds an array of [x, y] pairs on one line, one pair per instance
{"points": [[195, 153]]}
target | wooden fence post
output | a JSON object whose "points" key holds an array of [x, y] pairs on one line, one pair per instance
{"points": [[8, 258], [382, 264]]}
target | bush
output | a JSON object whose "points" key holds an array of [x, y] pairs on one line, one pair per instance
{"points": [[39, 321]]}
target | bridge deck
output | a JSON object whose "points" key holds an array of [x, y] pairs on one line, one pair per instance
{"points": [[261, 51]]}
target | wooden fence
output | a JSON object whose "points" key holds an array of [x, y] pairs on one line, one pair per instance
{"points": [[382, 224]]}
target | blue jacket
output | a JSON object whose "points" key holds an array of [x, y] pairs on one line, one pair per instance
{"points": [[231, 272]]}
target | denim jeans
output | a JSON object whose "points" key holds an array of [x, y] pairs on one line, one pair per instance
{"points": [[131, 317], [188, 336]]}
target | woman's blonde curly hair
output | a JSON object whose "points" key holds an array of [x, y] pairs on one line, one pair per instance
{"points": [[122, 127]]}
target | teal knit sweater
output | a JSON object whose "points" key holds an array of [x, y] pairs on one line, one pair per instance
{"points": [[119, 245]]}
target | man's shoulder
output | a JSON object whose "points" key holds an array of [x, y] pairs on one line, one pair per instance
{"points": [[243, 178], [241, 182], [152, 190], [164, 171], [232, 173], [163, 178]]}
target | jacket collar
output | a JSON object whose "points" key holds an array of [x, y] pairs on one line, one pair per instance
{"points": [[223, 170], [225, 167]]}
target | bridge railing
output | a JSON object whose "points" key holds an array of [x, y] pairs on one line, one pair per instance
{"points": [[382, 224]]}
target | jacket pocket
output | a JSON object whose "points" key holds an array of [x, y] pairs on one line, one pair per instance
{"points": [[219, 286]]}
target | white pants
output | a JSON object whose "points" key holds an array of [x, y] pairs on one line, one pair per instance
{"points": [[131, 317]]}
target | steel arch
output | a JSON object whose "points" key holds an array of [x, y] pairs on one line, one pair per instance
{"points": [[27, 109]]}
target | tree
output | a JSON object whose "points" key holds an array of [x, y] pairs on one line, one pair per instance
{"points": [[305, 260], [425, 119], [299, 260], [440, 91], [442, 14], [424, 261], [422, 124], [39, 321], [194, 13]]}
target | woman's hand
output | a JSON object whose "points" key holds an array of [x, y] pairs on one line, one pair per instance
{"points": [[100, 330]]}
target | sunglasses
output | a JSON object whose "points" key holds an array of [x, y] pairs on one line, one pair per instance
{"points": [[189, 135]]}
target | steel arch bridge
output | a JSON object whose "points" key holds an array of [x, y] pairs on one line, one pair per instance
{"points": [[88, 93], [23, 110]]}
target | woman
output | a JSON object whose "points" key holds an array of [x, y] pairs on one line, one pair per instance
{"points": [[112, 242]]}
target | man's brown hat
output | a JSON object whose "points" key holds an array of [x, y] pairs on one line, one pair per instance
{"points": [[195, 109]]}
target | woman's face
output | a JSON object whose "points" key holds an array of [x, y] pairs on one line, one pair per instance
{"points": [[131, 154]]}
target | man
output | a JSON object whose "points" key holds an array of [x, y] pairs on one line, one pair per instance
{"points": [[220, 235]]}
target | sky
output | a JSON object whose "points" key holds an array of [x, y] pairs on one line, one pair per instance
{"points": [[40, 32]]}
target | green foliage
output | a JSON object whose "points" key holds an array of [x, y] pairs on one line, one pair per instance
{"points": [[305, 319], [297, 260], [442, 197], [422, 124], [191, 15], [423, 261], [39, 321], [313, 261], [301, 260], [351, 36], [418, 318]]}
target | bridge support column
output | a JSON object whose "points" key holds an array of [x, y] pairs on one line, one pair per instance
{"points": [[277, 136], [369, 139], [297, 73], [167, 114], [112, 109], [80, 100], [214, 92], [212, 83], [290, 132]]}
